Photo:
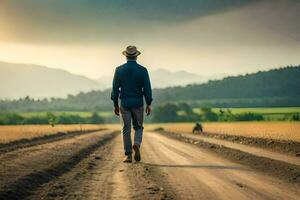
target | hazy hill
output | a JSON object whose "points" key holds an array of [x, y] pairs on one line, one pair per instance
{"points": [[272, 85], [19, 80], [278, 87], [162, 78]]}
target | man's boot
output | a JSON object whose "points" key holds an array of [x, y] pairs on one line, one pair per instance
{"points": [[128, 159], [137, 153]]}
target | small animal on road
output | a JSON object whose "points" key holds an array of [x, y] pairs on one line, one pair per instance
{"points": [[198, 128]]}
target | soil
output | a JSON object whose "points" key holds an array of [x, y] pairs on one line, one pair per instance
{"points": [[291, 147], [280, 168], [205, 173], [6, 147], [89, 166]]}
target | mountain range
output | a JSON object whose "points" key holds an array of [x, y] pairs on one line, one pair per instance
{"points": [[162, 78], [20, 80]]}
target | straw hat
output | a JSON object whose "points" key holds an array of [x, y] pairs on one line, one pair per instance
{"points": [[131, 51]]}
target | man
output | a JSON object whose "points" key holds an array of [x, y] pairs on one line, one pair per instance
{"points": [[131, 83]]}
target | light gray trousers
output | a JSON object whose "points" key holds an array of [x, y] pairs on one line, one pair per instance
{"points": [[134, 116]]}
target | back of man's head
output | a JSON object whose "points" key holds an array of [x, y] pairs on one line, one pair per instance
{"points": [[131, 58]]}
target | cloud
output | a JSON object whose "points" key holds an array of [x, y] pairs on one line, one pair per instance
{"points": [[203, 36], [99, 20]]}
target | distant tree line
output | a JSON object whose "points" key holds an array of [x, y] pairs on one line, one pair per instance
{"points": [[273, 88], [49, 118], [183, 113], [283, 82], [169, 112]]}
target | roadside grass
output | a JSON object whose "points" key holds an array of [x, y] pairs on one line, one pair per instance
{"points": [[271, 130]]}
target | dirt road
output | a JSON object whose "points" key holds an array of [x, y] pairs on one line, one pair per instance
{"points": [[246, 148], [194, 173], [89, 167]]}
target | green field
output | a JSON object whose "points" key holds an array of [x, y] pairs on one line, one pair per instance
{"points": [[279, 110], [276, 113], [270, 113]]}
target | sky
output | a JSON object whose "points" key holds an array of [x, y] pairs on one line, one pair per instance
{"points": [[205, 37]]}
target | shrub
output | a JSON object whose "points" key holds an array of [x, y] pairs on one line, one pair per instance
{"points": [[96, 119], [71, 119], [249, 117], [166, 113], [14, 119], [36, 120], [209, 115], [295, 117], [52, 119]]}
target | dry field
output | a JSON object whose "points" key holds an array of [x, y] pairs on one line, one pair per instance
{"points": [[89, 166], [11, 133], [274, 130]]}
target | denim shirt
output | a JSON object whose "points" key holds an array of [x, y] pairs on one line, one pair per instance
{"points": [[131, 83]]}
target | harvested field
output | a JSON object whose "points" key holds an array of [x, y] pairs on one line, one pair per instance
{"points": [[270, 130], [13, 133]]}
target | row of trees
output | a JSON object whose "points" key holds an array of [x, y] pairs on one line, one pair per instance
{"points": [[170, 112], [50, 118], [282, 82], [184, 113]]}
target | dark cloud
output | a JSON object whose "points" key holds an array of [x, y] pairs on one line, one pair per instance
{"points": [[89, 20], [202, 36], [166, 10]]}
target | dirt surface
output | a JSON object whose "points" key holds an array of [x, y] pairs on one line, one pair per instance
{"points": [[90, 166], [87, 166], [282, 166], [196, 173], [291, 147], [6, 147], [258, 151]]}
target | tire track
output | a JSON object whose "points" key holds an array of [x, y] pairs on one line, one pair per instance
{"points": [[24, 186], [197, 173], [103, 175], [272, 167], [24, 143]]}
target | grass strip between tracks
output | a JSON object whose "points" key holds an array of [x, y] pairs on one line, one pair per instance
{"points": [[23, 188], [282, 170]]}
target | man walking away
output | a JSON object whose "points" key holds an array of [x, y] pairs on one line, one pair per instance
{"points": [[131, 83]]}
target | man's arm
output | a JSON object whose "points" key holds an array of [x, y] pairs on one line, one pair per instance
{"points": [[147, 92], [115, 91]]}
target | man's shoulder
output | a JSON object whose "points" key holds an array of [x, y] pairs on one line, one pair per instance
{"points": [[121, 66], [136, 64], [118, 68], [142, 67]]}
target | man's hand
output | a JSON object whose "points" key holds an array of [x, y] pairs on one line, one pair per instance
{"points": [[148, 110], [117, 111]]}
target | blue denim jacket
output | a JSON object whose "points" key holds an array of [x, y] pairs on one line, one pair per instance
{"points": [[131, 83]]}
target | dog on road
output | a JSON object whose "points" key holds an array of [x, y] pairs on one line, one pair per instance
{"points": [[198, 128]]}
